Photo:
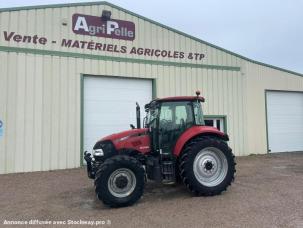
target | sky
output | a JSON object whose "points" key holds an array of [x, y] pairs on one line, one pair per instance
{"points": [[268, 31]]}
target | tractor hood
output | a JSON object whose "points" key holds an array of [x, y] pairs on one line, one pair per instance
{"points": [[124, 134]]}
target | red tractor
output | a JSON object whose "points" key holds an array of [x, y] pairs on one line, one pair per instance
{"points": [[174, 145]]}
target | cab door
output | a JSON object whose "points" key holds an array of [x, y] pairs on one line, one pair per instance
{"points": [[175, 118]]}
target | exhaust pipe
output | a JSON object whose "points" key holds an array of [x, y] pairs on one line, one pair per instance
{"points": [[138, 115]]}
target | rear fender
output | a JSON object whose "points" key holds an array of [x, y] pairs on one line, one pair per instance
{"points": [[194, 132]]}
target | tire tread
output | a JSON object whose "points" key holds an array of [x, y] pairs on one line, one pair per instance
{"points": [[188, 151], [108, 164]]}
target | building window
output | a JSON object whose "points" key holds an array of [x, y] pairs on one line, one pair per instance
{"points": [[217, 122]]}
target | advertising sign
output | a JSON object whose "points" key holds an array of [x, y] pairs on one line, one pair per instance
{"points": [[96, 26]]}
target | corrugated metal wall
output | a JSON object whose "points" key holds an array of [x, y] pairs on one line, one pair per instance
{"points": [[40, 104], [258, 80], [48, 23], [40, 95]]}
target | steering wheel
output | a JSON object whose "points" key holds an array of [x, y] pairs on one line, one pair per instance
{"points": [[164, 123]]}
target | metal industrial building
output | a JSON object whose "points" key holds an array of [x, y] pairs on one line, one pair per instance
{"points": [[72, 73]]}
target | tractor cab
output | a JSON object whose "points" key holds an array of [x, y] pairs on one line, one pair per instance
{"points": [[168, 118]]}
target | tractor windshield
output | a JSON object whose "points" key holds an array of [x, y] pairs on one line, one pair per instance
{"points": [[198, 113]]}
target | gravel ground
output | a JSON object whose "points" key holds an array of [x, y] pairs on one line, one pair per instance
{"points": [[267, 192]]}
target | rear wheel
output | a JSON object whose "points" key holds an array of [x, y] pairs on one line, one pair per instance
{"points": [[120, 181], [207, 166]]}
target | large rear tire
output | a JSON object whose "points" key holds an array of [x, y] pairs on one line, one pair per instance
{"points": [[120, 181], [207, 166]]}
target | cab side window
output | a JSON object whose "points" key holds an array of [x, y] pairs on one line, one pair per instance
{"points": [[181, 114], [184, 115], [166, 113]]}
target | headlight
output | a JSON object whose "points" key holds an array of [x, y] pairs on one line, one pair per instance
{"points": [[98, 152]]}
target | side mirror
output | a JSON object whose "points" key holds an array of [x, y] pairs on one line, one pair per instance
{"points": [[132, 126], [144, 122]]}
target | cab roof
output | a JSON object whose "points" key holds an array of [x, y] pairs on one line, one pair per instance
{"points": [[181, 98], [174, 99]]}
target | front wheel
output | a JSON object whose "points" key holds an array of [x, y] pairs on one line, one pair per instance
{"points": [[207, 166], [120, 181]]}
